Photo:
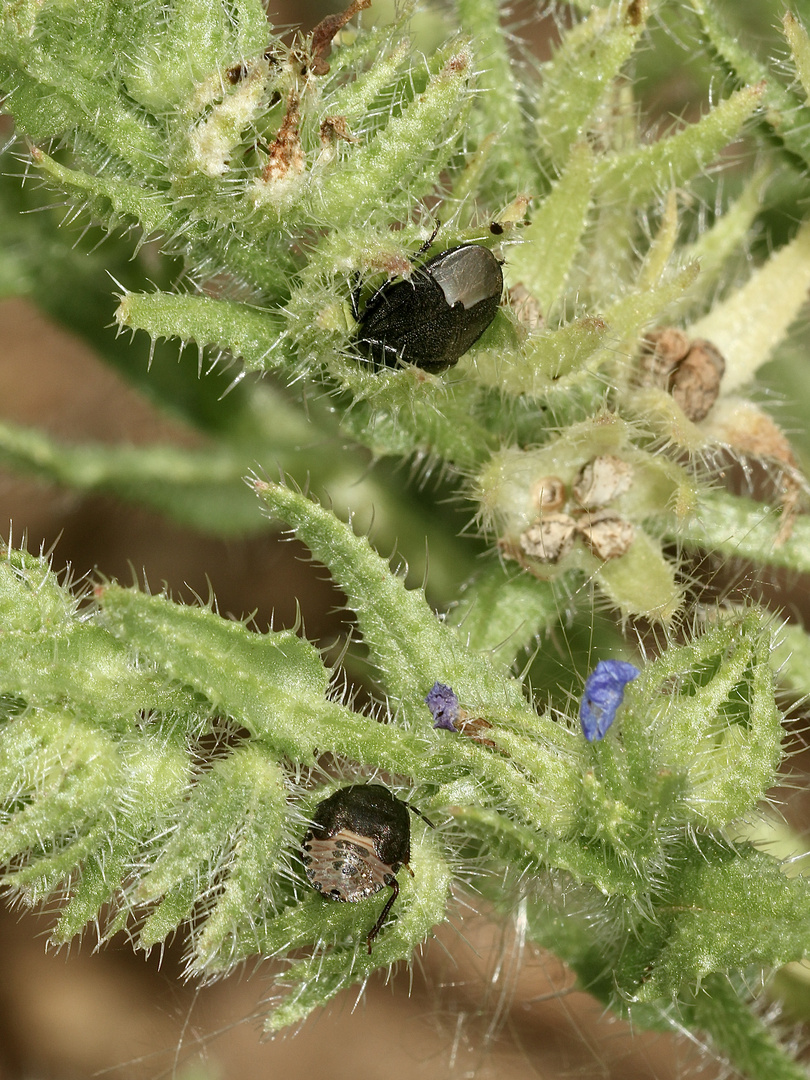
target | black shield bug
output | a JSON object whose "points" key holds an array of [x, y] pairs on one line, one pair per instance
{"points": [[433, 318], [360, 838]]}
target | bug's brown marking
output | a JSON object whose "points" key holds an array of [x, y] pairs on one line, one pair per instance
{"points": [[346, 866]]}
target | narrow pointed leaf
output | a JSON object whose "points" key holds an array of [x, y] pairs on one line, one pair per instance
{"points": [[633, 176], [749, 324]]}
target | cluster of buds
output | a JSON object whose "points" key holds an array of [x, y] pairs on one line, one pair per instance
{"points": [[589, 502], [585, 513]]}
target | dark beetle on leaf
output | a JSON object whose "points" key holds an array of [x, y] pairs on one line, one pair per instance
{"points": [[431, 319], [360, 838]]}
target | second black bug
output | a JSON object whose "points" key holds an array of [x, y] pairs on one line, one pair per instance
{"points": [[359, 840], [431, 319]]}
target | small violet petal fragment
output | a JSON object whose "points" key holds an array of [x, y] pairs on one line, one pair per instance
{"points": [[443, 703], [604, 693]]}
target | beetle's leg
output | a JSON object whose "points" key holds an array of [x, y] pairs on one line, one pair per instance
{"points": [[355, 296], [428, 242], [394, 884]]}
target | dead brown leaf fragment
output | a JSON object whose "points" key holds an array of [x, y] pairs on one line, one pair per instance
{"points": [[475, 728], [749, 430], [335, 127], [525, 307], [324, 33], [285, 154]]}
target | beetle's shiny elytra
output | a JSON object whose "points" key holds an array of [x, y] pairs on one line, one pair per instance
{"points": [[431, 319], [360, 838]]}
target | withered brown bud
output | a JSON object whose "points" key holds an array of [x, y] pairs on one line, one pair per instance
{"points": [[549, 538], [549, 494], [602, 480], [607, 535], [691, 371]]}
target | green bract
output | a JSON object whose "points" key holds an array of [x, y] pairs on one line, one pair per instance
{"points": [[158, 762]]}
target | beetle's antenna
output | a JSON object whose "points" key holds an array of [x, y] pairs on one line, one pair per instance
{"points": [[420, 814]]}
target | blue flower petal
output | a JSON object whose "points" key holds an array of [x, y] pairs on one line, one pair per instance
{"points": [[604, 693], [443, 703]]}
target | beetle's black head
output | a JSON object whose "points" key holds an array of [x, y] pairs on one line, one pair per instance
{"points": [[369, 810]]}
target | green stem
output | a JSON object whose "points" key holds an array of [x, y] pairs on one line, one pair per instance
{"points": [[733, 526], [743, 1039]]}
